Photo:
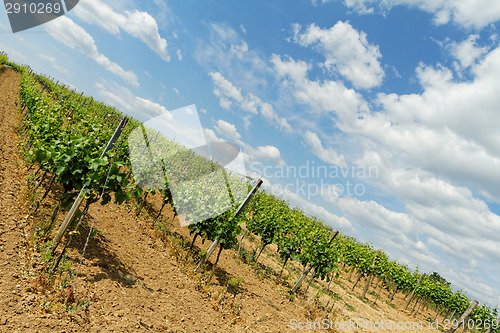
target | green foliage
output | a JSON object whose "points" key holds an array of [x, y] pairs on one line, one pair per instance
{"points": [[438, 278], [268, 215], [233, 285], [78, 306], [67, 140], [3, 58], [458, 302], [401, 276]]}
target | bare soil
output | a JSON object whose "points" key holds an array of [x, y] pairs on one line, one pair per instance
{"points": [[135, 278]]}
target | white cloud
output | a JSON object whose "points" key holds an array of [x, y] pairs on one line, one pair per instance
{"points": [[270, 153], [225, 90], [372, 215], [175, 90], [228, 130], [254, 156], [336, 222], [251, 104], [227, 52], [251, 155], [72, 35], [327, 96], [239, 51], [328, 155], [55, 64], [48, 58], [211, 136], [451, 128], [150, 106], [244, 69], [411, 252], [430, 77], [432, 200], [368, 214], [296, 70], [228, 93], [468, 13], [467, 51], [246, 123], [346, 51], [136, 23], [179, 55], [123, 99]]}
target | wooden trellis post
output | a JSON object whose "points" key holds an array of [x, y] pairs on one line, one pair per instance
{"points": [[413, 292], [79, 199], [369, 278], [309, 267], [238, 212], [464, 316]]}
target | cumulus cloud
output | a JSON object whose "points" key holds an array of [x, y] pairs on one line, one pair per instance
{"points": [[468, 13], [457, 225], [441, 225], [229, 94], [74, 36], [326, 96], [450, 128], [433, 200], [346, 51], [136, 23], [372, 215], [335, 221], [228, 130], [239, 51], [467, 51], [226, 52], [255, 157], [210, 136], [123, 99], [328, 155], [225, 90], [270, 153], [296, 70]]}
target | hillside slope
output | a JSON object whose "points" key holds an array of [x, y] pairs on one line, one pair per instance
{"points": [[133, 279]]}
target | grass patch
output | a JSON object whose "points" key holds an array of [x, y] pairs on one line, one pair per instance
{"points": [[350, 307]]}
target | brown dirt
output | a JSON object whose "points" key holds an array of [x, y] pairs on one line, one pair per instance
{"points": [[137, 280]]}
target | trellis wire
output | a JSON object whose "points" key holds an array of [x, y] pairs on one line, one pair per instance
{"points": [[90, 232]]}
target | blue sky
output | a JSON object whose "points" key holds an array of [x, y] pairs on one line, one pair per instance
{"points": [[379, 117]]}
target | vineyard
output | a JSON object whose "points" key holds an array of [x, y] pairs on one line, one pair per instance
{"points": [[78, 161]]}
